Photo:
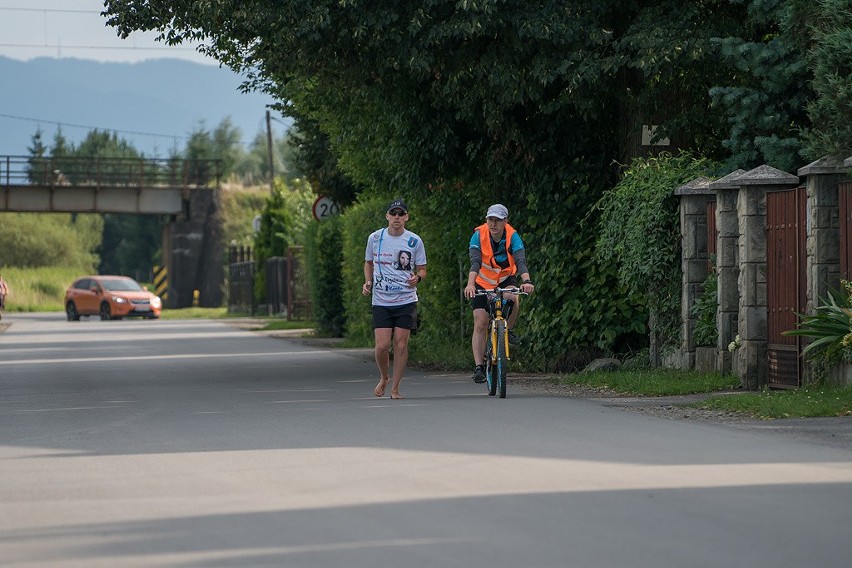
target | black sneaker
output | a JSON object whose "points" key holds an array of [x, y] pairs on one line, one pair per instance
{"points": [[514, 339], [479, 374]]}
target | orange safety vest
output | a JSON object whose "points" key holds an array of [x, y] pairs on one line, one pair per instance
{"points": [[490, 273]]}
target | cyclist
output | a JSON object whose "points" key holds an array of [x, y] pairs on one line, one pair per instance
{"points": [[497, 258], [391, 278]]}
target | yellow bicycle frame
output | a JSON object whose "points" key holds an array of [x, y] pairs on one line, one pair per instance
{"points": [[498, 315]]}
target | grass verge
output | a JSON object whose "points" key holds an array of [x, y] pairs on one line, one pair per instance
{"points": [[660, 382], [807, 402], [38, 289], [195, 313], [286, 325]]}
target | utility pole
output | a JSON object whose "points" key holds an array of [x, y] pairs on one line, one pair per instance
{"points": [[269, 151]]}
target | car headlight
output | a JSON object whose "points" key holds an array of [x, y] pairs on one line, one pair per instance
{"points": [[119, 300], [155, 302]]}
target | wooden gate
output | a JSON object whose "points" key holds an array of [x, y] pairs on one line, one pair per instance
{"points": [[785, 283]]}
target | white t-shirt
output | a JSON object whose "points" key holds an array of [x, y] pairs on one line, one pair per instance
{"points": [[394, 260]]}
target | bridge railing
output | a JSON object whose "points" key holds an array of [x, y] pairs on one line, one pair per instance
{"points": [[109, 172]]}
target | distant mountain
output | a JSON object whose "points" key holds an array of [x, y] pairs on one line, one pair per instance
{"points": [[168, 98]]}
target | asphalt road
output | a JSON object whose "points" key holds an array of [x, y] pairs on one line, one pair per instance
{"points": [[194, 443]]}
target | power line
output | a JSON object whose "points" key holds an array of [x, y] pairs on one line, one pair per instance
{"points": [[46, 45], [15, 9], [105, 129], [109, 47], [72, 125]]}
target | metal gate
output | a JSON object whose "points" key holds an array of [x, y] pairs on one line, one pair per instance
{"points": [[785, 283]]}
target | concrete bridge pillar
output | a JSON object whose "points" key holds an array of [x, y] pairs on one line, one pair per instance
{"points": [[192, 250]]}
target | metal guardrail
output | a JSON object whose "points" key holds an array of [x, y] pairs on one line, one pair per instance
{"points": [[109, 172]]}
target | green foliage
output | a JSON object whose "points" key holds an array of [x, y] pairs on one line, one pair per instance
{"points": [[765, 93], [30, 240], [131, 244], [323, 247], [704, 310], [827, 37], [238, 208], [414, 93], [311, 154], [830, 328], [640, 232], [286, 212], [807, 402], [40, 289], [668, 382]]}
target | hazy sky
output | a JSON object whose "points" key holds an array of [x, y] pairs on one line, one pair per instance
{"points": [[75, 28]]}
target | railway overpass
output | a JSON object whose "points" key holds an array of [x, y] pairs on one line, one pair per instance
{"points": [[182, 190], [102, 185]]}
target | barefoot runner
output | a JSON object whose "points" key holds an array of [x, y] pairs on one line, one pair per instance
{"points": [[394, 264]]}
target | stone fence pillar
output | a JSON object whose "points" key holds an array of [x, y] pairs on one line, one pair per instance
{"points": [[727, 266], [823, 242], [694, 198]]}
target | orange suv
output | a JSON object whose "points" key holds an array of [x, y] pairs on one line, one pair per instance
{"points": [[111, 297]]}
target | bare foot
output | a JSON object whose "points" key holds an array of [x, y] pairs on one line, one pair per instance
{"points": [[379, 391], [396, 396]]}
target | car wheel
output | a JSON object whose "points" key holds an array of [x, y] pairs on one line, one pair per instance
{"points": [[71, 312], [106, 315]]}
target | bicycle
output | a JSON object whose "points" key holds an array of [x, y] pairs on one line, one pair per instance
{"points": [[497, 343]]}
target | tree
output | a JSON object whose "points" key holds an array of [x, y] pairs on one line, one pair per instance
{"points": [[311, 153], [36, 164], [418, 92], [826, 37], [764, 99]]}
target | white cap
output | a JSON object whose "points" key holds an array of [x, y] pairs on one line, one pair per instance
{"points": [[498, 211]]}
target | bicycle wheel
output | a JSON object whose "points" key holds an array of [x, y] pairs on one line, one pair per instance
{"points": [[502, 359], [490, 374]]}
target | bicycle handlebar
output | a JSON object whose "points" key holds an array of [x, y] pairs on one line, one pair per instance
{"points": [[509, 289]]}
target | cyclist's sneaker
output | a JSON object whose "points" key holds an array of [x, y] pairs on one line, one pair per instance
{"points": [[515, 339], [479, 374]]}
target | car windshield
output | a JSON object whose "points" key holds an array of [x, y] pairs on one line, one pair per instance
{"points": [[120, 285]]}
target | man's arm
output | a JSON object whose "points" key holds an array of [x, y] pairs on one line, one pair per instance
{"points": [[367, 288]]}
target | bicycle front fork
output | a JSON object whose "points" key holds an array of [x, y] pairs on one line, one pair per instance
{"points": [[495, 343]]}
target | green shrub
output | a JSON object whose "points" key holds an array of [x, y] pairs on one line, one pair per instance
{"points": [[640, 232], [704, 311], [323, 247], [30, 240]]}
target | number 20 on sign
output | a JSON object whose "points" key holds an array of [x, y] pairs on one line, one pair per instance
{"points": [[324, 208]]}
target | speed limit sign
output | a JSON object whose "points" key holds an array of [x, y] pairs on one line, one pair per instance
{"points": [[324, 208]]}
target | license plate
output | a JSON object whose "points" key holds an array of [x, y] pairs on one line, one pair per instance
{"points": [[142, 308]]}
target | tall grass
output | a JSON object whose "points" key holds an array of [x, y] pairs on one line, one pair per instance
{"points": [[38, 289]]}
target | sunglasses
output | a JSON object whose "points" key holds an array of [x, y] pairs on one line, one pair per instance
{"points": [[397, 213]]}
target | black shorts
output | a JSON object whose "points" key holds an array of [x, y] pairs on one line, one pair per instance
{"points": [[481, 302], [404, 316]]}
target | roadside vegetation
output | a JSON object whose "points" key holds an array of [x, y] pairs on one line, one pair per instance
{"points": [[197, 313], [40, 289], [656, 382], [806, 402]]}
